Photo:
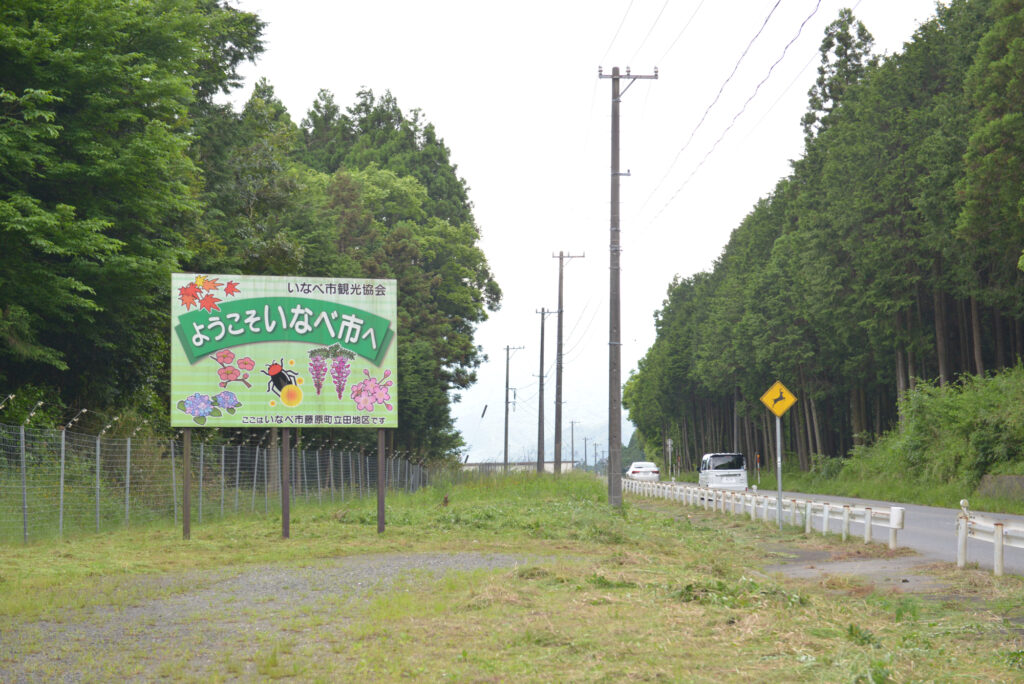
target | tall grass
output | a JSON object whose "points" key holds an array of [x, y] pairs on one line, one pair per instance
{"points": [[948, 438]]}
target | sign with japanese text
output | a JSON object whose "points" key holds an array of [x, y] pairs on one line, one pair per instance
{"points": [[778, 399], [257, 351]]}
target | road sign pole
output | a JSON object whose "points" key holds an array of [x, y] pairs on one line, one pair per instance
{"points": [[778, 467], [778, 400]]}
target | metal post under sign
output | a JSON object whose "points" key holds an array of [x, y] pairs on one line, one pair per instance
{"points": [[778, 399]]}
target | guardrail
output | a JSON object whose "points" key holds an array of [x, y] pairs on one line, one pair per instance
{"points": [[798, 511], [986, 529]]}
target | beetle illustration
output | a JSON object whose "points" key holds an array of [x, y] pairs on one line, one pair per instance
{"points": [[280, 377]]}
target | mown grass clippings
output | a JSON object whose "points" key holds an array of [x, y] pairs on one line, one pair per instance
{"points": [[595, 595]]}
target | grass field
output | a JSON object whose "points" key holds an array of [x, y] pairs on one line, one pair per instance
{"points": [[580, 592]]}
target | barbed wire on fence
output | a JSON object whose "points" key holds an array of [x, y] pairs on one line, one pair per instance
{"points": [[58, 483]]}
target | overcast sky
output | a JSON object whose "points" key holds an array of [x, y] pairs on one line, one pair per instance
{"points": [[513, 90]]}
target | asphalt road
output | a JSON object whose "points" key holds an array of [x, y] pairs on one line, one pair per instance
{"points": [[929, 530]]}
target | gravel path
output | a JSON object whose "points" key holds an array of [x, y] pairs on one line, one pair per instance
{"points": [[215, 622]]}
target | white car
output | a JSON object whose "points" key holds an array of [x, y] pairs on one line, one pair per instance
{"points": [[643, 470], [723, 471]]}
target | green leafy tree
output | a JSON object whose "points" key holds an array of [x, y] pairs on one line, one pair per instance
{"points": [[98, 186]]}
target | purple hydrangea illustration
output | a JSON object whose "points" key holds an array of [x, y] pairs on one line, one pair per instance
{"points": [[199, 405], [227, 400]]}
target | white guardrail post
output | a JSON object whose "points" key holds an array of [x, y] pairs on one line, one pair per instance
{"points": [[803, 511]]}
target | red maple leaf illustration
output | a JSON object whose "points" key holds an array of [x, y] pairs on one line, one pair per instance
{"points": [[189, 295], [231, 288], [209, 303], [210, 284]]}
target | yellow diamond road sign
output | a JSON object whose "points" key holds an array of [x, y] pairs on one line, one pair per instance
{"points": [[778, 399]]}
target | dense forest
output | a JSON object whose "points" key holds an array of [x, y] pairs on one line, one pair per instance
{"points": [[887, 260], [118, 166]]}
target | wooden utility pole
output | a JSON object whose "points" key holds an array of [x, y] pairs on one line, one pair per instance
{"points": [[540, 400], [572, 441], [508, 351], [614, 329], [558, 362]]}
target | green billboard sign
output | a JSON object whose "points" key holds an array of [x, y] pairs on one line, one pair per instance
{"points": [[258, 351]]}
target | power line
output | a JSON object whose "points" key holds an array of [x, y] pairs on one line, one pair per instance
{"points": [[740, 112], [626, 14], [680, 35], [649, 31], [710, 106]]}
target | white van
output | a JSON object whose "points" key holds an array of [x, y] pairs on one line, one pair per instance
{"points": [[723, 471]]}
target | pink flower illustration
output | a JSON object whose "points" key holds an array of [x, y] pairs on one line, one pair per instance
{"points": [[226, 356], [228, 373], [246, 364]]}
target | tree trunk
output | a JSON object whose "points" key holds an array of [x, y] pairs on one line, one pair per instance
{"points": [[901, 379], [801, 440], [939, 301], [856, 417], [965, 364], [1020, 339], [1000, 343], [767, 434], [979, 364], [807, 424], [736, 420], [817, 425], [748, 429]]}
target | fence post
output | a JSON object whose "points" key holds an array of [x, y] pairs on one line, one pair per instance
{"points": [[846, 521], [174, 485], [202, 467], [867, 525], [238, 467], [808, 514], [895, 523], [24, 491], [997, 545], [127, 477], [961, 539], [255, 472], [330, 469], [97, 483], [63, 446], [826, 509], [319, 493]]}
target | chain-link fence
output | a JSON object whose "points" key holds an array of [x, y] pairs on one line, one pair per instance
{"points": [[58, 483]]}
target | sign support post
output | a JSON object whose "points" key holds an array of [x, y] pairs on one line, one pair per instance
{"points": [[778, 399], [778, 469], [286, 467], [186, 501]]}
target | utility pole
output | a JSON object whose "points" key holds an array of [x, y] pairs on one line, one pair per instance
{"points": [[585, 453], [558, 361], [614, 331], [544, 313], [572, 441], [508, 351]]}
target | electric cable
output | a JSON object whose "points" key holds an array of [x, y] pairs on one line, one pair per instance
{"points": [[707, 111]]}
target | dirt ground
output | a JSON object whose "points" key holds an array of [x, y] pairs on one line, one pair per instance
{"points": [[901, 571]]}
